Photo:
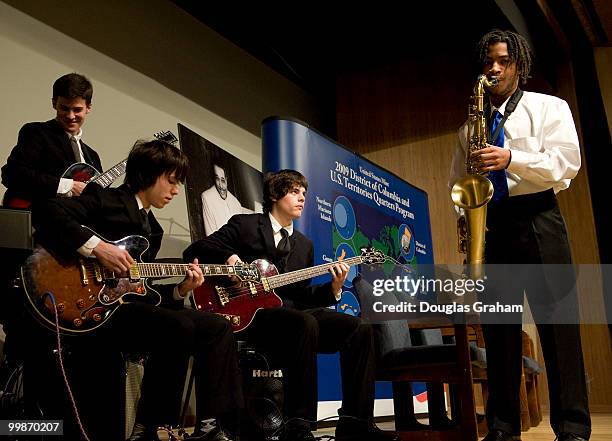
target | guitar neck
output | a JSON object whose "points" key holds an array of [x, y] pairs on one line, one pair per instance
{"points": [[109, 176], [161, 270], [308, 273]]}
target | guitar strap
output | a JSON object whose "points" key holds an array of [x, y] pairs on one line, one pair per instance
{"points": [[512, 102]]}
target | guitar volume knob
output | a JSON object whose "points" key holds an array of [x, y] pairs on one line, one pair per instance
{"points": [[97, 317], [77, 322], [80, 303]]}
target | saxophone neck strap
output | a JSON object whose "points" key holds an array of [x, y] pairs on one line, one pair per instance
{"points": [[510, 106]]}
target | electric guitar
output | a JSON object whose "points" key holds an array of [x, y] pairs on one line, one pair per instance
{"points": [[83, 172], [240, 303], [86, 294]]}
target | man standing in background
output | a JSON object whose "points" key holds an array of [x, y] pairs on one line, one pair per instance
{"points": [[45, 150]]}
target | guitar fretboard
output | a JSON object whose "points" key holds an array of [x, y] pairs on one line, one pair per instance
{"points": [[307, 273], [109, 176], [180, 269]]}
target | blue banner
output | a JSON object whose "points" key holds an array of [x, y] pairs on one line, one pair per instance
{"points": [[351, 203]]}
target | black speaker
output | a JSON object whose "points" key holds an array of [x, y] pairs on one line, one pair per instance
{"points": [[15, 246], [16, 227], [262, 385]]}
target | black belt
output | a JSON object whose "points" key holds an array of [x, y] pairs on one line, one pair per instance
{"points": [[522, 206]]}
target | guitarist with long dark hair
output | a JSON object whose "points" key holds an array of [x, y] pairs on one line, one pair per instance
{"points": [[168, 333], [291, 336], [45, 150]]}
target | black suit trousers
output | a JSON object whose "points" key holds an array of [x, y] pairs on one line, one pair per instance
{"points": [[530, 230], [291, 339], [169, 337], [95, 369]]}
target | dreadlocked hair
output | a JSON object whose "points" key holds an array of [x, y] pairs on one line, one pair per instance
{"points": [[518, 50]]}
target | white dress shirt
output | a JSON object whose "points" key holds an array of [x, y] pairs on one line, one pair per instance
{"points": [[277, 227], [542, 138]]}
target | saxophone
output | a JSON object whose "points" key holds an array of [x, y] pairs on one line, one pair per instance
{"points": [[473, 192]]}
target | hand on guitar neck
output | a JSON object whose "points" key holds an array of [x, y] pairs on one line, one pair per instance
{"points": [[339, 273], [119, 261], [193, 279], [232, 260]]}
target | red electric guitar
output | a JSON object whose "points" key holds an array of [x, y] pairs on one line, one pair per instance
{"points": [[240, 303]]}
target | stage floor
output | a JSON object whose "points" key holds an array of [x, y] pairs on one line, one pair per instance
{"points": [[602, 428]]}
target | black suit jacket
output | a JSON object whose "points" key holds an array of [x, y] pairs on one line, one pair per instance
{"points": [[250, 236], [36, 164], [111, 212]]}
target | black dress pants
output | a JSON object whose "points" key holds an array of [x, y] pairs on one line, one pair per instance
{"points": [[530, 230], [170, 337], [95, 369], [292, 338]]}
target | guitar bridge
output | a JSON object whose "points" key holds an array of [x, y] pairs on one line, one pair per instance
{"points": [[83, 272], [222, 295]]}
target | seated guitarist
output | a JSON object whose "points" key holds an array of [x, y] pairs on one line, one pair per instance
{"points": [[45, 150], [168, 333], [291, 336]]}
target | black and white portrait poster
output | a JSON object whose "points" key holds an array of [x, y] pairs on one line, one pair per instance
{"points": [[218, 185]]}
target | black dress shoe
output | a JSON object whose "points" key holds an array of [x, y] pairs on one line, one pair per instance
{"points": [[500, 435], [217, 434], [569, 437], [355, 430], [142, 433], [298, 433]]}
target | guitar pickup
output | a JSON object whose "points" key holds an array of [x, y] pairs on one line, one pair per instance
{"points": [[97, 272], [222, 295], [134, 273]]}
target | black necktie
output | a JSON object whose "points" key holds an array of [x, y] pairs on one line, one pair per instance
{"points": [[144, 219], [282, 249], [284, 245]]}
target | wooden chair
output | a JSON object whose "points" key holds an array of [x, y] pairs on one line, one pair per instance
{"points": [[447, 363], [402, 364], [531, 414]]}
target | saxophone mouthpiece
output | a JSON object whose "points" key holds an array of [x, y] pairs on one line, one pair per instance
{"points": [[493, 81]]}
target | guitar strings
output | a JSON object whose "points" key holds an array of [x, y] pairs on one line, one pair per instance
{"points": [[235, 292]]}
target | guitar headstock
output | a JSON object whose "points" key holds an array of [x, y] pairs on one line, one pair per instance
{"points": [[166, 136], [372, 256], [247, 272]]}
